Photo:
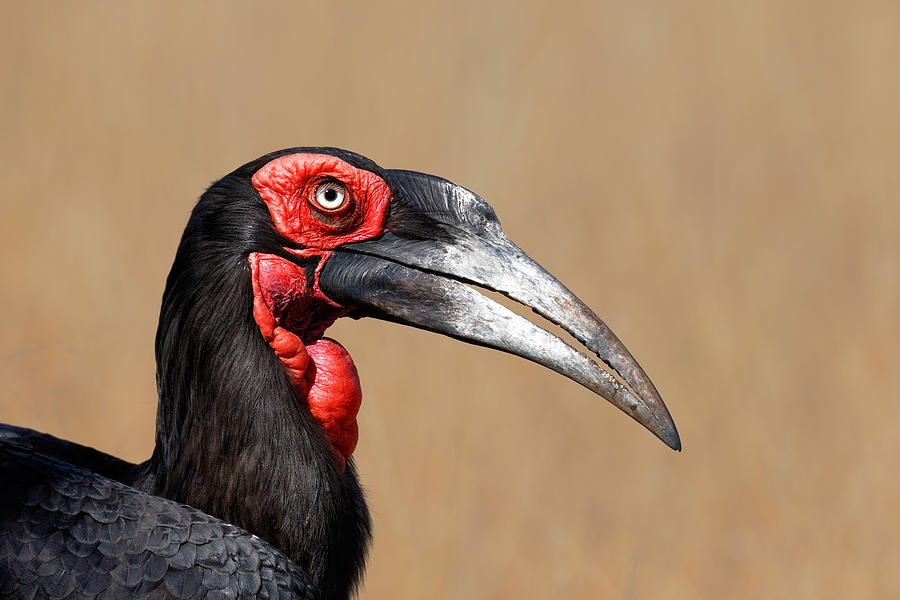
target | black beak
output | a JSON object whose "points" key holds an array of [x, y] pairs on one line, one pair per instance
{"points": [[440, 237]]}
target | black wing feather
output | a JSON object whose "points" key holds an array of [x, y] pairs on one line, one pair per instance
{"points": [[66, 532], [70, 452]]}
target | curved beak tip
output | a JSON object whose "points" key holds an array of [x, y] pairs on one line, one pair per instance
{"points": [[655, 417], [662, 425], [671, 439]]}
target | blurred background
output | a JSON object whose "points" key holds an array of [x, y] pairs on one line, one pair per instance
{"points": [[717, 179]]}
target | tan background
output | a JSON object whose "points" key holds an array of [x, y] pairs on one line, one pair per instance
{"points": [[719, 180]]}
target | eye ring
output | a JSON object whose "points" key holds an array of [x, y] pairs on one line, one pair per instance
{"points": [[330, 195]]}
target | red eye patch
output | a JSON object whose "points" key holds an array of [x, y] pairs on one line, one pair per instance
{"points": [[288, 185]]}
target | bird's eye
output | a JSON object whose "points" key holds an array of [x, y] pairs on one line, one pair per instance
{"points": [[331, 195]]}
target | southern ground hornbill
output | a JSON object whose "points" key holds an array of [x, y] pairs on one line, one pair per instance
{"points": [[251, 489]]}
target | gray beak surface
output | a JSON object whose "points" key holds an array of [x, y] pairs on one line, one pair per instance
{"points": [[440, 239]]}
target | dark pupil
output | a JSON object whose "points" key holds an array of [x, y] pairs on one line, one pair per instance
{"points": [[331, 194]]}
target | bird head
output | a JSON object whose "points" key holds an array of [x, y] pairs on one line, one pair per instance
{"points": [[324, 233], [251, 391], [412, 248]]}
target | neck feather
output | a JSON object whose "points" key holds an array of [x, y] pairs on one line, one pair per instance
{"points": [[234, 438]]}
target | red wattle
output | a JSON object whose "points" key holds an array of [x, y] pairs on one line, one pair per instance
{"points": [[334, 394], [321, 371], [287, 346]]}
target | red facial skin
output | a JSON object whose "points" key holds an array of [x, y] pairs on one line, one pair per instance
{"points": [[292, 315], [288, 185]]}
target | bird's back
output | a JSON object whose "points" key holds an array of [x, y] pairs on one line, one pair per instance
{"points": [[77, 455], [66, 532]]}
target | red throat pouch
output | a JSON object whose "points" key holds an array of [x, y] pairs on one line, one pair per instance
{"points": [[321, 371]]}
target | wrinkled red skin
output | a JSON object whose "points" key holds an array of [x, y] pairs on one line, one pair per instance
{"points": [[334, 394], [287, 186], [292, 315]]}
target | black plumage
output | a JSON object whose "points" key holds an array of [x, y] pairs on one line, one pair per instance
{"points": [[243, 495], [232, 438], [67, 532]]}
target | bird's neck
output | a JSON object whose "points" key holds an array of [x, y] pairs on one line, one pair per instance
{"points": [[292, 314], [235, 437]]}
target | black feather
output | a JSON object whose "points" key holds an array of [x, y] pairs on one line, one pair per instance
{"points": [[233, 441], [41, 555]]}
